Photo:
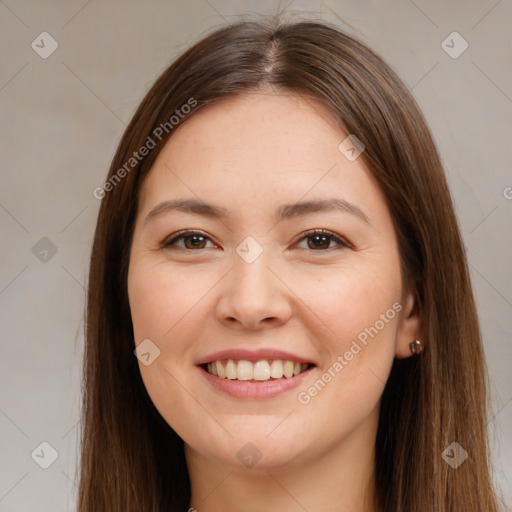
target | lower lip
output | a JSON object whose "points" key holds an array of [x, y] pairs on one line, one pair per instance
{"points": [[247, 389]]}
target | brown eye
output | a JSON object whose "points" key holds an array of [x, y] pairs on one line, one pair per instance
{"points": [[194, 241], [191, 240], [320, 240]]}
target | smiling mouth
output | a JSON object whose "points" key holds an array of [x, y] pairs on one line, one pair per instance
{"points": [[259, 371]]}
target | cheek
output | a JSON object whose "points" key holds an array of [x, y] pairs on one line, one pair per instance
{"points": [[358, 313], [161, 298], [163, 303], [348, 300]]}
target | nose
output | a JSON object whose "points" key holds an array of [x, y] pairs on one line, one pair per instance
{"points": [[253, 296]]}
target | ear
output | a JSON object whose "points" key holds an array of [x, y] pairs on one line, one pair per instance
{"points": [[411, 325]]}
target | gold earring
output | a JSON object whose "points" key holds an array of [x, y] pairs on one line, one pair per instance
{"points": [[416, 347]]}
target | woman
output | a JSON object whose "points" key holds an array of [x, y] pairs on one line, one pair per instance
{"points": [[277, 246]]}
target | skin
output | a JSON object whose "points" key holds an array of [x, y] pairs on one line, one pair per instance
{"points": [[250, 154]]}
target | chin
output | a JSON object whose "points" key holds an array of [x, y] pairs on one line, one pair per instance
{"points": [[251, 448]]}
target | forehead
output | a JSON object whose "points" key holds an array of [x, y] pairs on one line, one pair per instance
{"points": [[258, 147], [260, 125]]}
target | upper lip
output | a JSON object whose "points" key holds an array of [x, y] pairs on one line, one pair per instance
{"points": [[253, 356]]}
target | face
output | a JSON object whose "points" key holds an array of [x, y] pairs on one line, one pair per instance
{"points": [[263, 323]]}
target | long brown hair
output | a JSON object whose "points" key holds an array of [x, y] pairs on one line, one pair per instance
{"points": [[131, 459]]}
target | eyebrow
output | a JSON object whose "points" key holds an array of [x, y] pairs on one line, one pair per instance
{"points": [[284, 212]]}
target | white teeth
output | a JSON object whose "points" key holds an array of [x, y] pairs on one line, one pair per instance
{"points": [[244, 370], [276, 369], [231, 370], [288, 369], [260, 371], [221, 372]]}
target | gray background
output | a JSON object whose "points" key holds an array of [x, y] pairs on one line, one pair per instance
{"points": [[62, 118]]}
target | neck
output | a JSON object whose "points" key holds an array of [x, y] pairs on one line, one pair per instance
{"points": [[342, 478]]}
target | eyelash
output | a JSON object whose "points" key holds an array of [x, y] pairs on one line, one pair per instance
{"points": [[169, 243]]}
